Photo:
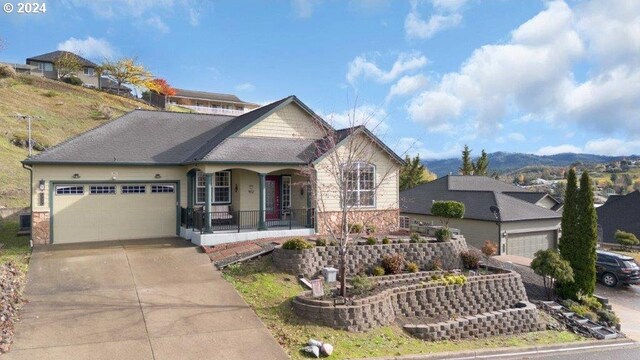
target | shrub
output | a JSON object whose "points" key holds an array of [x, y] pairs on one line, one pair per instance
{"points": [[355, 228], [72, 80], [393, 264], [386, 241], [372, 240], [470, 260], [321, 242], [451, 279], [608, 317], [414, 237], [6, 71], [378, 271], [25, 79], [361, 284], [333, 243], [49, 94], [443, 234], [296, 244], [413, 267], [585, 311], [447, 210], [590, 301], [370, 229], [489, 248], [434, 265], [626, 239], [552, 268]]}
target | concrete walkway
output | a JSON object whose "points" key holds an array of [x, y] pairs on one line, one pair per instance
{"points": [[148, 299]]}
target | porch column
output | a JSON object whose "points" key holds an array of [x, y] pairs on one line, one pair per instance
{"points": [[261, 213], [207, 203]]}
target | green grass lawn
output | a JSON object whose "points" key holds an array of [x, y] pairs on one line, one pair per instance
{"points": [[269, 293], [16, 248]]}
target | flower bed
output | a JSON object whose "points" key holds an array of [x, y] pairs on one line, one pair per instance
{"points": [[480, 294], [309, 262]]}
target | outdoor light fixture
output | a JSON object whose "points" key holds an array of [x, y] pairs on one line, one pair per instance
{"points": [[158, 176], [41, 185], [235, 188], [76, 176]]}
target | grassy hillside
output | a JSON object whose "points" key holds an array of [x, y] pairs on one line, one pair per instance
{"points": [[64, 110]]}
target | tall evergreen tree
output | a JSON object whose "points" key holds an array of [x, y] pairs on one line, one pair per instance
{"points": [[481, 167], [467, 163], [414, 173], [585, 271], [569, 227]]}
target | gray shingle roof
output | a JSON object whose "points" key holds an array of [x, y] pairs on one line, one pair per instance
{"points": [[532, 197], [263, 150], [54, 55], [478, 197], [207, 95]]}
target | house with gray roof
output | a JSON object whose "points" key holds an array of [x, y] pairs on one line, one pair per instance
{"points": [[520, 221], [205, 102], [620, 212], [208, 178], [45, 64]]}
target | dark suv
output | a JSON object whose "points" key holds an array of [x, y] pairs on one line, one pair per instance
{"points": [[612, 268]]}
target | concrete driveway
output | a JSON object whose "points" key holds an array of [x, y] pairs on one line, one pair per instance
{"points": [[625, 301], [147, 299]]}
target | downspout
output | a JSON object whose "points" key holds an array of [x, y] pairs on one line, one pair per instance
{"points": [[27, 167]]}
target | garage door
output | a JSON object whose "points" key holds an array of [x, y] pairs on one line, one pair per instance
{"points": [[98, 212], [526, 244]]}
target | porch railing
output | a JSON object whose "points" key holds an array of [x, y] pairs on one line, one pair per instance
{"points": [[238, 221]]}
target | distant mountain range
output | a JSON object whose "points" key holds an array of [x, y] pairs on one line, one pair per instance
{"points": [[504, 161]]}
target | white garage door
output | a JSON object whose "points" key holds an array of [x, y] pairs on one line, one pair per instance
{"points": [[98, 212], [526, 244]]}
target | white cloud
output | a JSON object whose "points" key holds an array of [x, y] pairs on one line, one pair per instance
{"points": [[435, 109], [447, 15], [407, 85], [304, 8], [514, 136], [194, 17], [373, 117], [612, 147], [90, 47], [412, 147], [157, 23], [245, 87], [559, 149], [406, 62]]}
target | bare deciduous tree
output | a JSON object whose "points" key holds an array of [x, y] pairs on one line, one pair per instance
{"points": [[347, 182]]}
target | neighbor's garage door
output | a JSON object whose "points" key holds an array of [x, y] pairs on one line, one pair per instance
{"points": [[526, 244], [97, 212]]}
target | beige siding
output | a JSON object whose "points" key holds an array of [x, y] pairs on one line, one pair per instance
{"points": [[247, 197], [91, 173], [387, 177], [289, 122], [475, 231]]}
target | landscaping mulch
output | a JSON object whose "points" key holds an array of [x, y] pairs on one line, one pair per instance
{"points": [[11, 286]]}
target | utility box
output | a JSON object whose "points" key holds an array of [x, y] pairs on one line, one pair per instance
{"points": [[330, 274]]}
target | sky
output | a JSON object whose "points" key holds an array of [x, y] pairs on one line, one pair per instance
{"points": [[427, 76]]}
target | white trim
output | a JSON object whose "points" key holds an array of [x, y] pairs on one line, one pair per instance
{"points": [[358, 165], [213, 188]]}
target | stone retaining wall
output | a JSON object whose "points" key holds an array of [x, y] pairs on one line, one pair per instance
{"points": [[501, 322], [481, 294], [361, 257]]}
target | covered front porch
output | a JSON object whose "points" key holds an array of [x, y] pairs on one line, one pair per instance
{"points": [[248, 203]]}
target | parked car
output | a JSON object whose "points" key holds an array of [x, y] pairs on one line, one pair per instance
{"points": [[612, 268]]}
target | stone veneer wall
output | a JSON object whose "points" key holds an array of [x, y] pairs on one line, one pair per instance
{"points": [[360, 257], [385, 221], [501, 322], [481, 294], [40, 232]]}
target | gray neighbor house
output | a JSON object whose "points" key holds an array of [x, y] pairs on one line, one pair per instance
{"points": [[520, 221], [620, 212], [45, 64]]}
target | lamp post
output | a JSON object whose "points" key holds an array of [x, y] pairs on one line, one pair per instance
{"points": [[496, 213]]}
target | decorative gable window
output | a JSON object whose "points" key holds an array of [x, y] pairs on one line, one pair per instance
{"points": [[360, 178], [221, 187]]}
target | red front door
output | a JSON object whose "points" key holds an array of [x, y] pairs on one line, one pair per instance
{"points": [[272, 197]]}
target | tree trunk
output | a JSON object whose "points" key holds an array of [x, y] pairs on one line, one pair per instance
{"points": [[343, 271]]}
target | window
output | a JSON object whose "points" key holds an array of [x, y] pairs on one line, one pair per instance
{"points": [[404, 222], [221, 187], [69, 190], [88, 71], [102, 189], [134, 189], [360, 185], [48, 66], [162, 188], [286, 192]]}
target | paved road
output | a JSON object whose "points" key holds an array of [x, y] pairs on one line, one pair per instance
{"points": [[622, 353], [625, 301], [140, 300]]}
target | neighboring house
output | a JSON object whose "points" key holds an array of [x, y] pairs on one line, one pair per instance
{"points": [[46, 65], [208, 178], [111, 86], [24, 69], [524, 223], [620, 212], [207, 103]]}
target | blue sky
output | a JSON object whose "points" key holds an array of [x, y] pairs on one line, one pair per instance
{"points": [[521, 76]]}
